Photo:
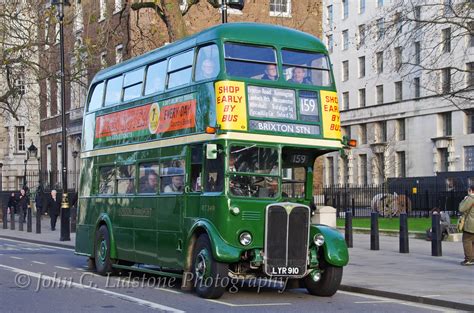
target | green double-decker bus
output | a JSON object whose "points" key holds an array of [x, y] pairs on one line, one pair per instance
{"points": [[197, 161]]}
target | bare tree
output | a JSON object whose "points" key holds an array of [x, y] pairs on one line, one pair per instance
{"points": [[430, 40]]}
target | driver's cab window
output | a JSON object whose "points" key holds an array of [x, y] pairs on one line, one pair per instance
{"points": [[196, 168], [253, 172], [293, 182], [214, 172]]}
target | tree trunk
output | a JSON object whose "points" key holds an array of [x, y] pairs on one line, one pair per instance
{"points": [[174, 19]]}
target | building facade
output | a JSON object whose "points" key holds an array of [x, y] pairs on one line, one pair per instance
{"points": [[404, 72]]}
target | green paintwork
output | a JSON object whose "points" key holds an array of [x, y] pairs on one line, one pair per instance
{"points": [[335, 248]]}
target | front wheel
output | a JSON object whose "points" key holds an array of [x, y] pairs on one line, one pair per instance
{"points": [[327, 285], [208, 273], [103, 262]]}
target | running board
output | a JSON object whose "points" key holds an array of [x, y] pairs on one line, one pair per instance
{"points": [[147, 270]]}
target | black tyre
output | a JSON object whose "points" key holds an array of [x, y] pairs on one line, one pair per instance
{"points": [[103, 262], [209, 276], [328, 284]]}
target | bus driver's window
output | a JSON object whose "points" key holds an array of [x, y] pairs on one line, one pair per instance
{"points": [[207, 64], [196, 167], [214, 179]]}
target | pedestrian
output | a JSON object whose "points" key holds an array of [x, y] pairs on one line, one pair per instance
{"points": [[23, 204], [54, 205], [12, 201], [466, 207]]}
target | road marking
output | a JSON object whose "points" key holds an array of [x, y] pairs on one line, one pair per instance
{"points": [[381, 299], [247, 304], [168, 290], [15, 257], [38, 262], [374, 301], [37, 244], [79, 269], [139, 301], [63, 268]]}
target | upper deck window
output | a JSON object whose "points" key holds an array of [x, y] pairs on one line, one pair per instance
{"points": [[132, 84], [97, 97], [250, 61], [113, 90], [207, 64], [306, 68], [155, 78], [180, 69]]}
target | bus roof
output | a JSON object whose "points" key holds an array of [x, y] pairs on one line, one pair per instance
{"points": [[240, 32]]}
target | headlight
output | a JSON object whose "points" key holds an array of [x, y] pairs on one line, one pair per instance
{"points": [[235, 210], [245, 238], [318, 240]]}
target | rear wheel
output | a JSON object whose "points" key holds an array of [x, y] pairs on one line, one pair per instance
{"points": [[103, 262], [328, 284], [208, 273]]}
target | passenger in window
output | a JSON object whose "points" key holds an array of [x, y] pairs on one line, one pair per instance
{"points": [[149, 182], [176, 184], [207, 70], [271, 72], [299, 76]]}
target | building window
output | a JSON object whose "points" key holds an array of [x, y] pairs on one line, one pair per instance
{"points": [[446, 39], [398, 91], [401, 129], [361, 66], [417, 53], [48, 98], [443, 160], [345, 100], [379, 3], [470, 75], [446, 80], [380, 166], [398, 22], [103, 60], [361, 35], [345, 9], [398, 57], [345, 70], [379, 59], [416, 83], [330, 171], [469, 158], [118, 54], [118, 6], [417, 15], [330, 16], [361, 6], [330, 43], [363, 134], [380, 28], [401, 164], [102, 9], [363, 169], [362, 99], [20, 85], [379, 89], [446, 122], [470, 121], [280, 8], [448, 7], [345, 39], [58, 94], [20, 139], [382, 126], [48, 159], [347, 132], [470, 34]]}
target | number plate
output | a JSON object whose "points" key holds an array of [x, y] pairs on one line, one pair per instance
{"points": [[285, 271]]}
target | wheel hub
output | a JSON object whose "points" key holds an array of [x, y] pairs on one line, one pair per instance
{"points": [[202, 264]]}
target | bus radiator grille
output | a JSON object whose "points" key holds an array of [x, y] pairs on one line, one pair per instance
{"points": [[286, 239]]}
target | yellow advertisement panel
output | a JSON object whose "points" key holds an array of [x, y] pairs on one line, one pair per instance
{"points": [[331, 120], [231, 105]]}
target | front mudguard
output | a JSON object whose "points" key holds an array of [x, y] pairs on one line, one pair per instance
{"points": [[334, 247]]}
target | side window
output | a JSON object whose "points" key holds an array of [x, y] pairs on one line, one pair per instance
{"points": [[106, 180], [257, 62], [132, 84], [125, 179], [180, 69], [172, 176], [113, 91], [196, 168], [155, 78], [207, 63], [148, 181], [214, 169], [97, 97]]}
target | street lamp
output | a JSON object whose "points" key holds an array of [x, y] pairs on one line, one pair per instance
{"points": [[1, 176], [234, 4], [65, 236], [31, 152]]}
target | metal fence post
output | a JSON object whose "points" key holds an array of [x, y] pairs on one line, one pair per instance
{"points": [[38, 221], [404, 233], [21, 219], [5, 217], [374, 231], [435, 235], [29, 227], [348, 229], [12, 218]]}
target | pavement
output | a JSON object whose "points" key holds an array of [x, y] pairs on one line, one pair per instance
{"points": [[415, 276]]}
